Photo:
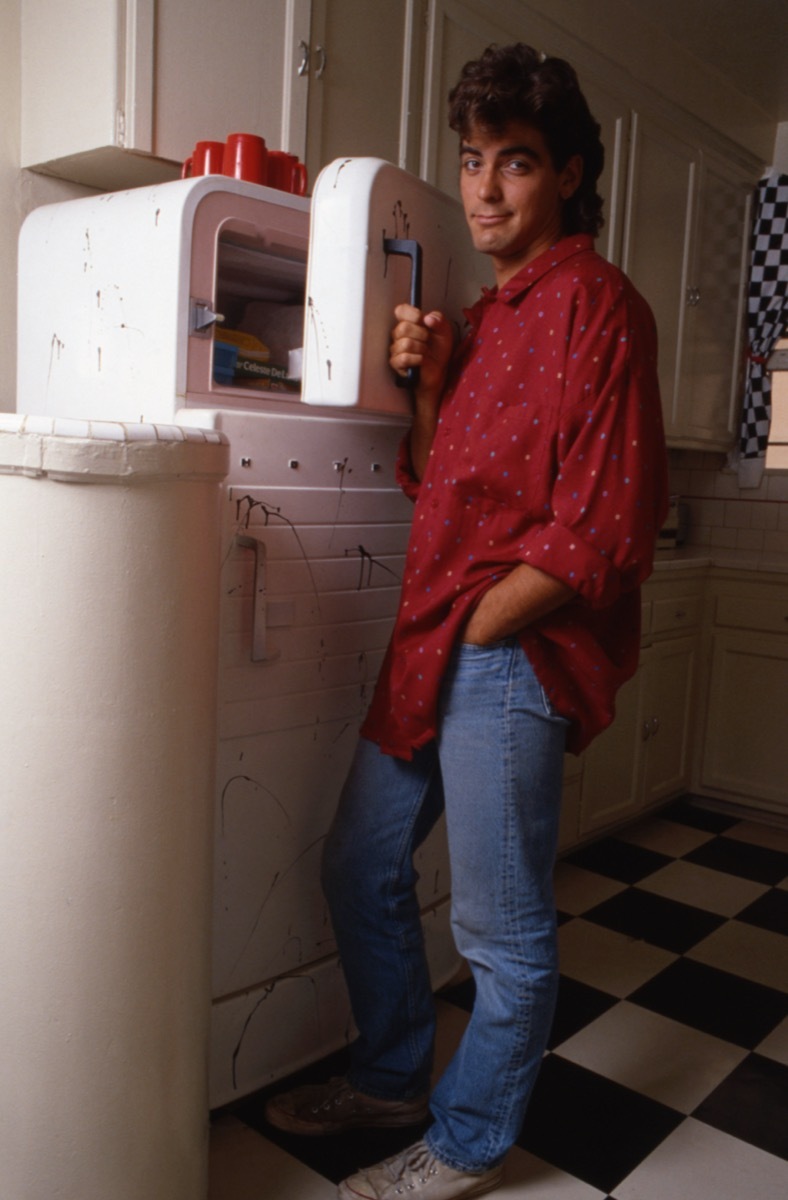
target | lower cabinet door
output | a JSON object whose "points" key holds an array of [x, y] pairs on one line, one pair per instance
{"points": [[746, 744]]}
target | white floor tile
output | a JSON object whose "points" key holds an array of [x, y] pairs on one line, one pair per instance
{"points": [[756, 954], [577, 890], [776, 1044], [665, 837], [653, 1055], [699, 1163], [611, 961], [758, 834], [530, 1178], [704, 888], [246, 1166]]}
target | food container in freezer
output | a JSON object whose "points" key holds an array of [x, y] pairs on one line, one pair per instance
{"points": [[130, 303]]}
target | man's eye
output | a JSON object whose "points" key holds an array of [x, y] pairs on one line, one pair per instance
{"points": [[471, 164], [518, 164]]}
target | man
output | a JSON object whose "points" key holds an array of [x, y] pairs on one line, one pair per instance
{"points": [[536, 461]]}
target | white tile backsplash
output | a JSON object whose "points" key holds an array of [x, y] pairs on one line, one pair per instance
{"points": [[721, 513]]}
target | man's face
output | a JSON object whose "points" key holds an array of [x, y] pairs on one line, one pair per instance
{"points": [[513, 195]]}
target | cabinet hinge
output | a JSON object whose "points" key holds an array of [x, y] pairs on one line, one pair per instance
{"points": [[120, 128]]}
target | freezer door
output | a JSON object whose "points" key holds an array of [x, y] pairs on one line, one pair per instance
{"points": [[379, 236]]}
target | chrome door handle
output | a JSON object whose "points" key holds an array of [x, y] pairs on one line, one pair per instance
{"points": [[259, 652]]}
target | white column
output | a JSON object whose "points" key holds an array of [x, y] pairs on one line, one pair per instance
{"points": [[109, 548]]}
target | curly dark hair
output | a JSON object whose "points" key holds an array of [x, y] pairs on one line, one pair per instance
{"points": [[517, 83]]}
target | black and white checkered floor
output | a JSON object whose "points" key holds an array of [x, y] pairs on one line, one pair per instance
{"points": [[667, 1072]]}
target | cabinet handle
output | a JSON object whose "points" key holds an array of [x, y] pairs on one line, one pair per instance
{"points": [[650, 728], [321, 60], [303, 66]]}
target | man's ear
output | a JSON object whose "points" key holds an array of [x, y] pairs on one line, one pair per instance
{"points": [[571, 177]]}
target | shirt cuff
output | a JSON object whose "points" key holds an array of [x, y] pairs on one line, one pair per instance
{"points": [[560, 552]]}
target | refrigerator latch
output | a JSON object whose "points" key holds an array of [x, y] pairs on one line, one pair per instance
{"points": [[203, 318]]}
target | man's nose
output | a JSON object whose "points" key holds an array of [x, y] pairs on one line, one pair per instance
{"points": [[489, 184]]}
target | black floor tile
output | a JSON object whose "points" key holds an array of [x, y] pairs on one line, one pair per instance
{"points": [[758, 863], [591, 1127], [769, 911], [338, 1155], [752, 1104], [578, 1005], [618, 860], [655, 919], [341, 1154], [684, 812], [713, 1001]]}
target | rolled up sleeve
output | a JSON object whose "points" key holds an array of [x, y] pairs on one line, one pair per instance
{"points": [[610, 493]]}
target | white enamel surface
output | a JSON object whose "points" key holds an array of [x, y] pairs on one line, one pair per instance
{"points": [[353, 286], [109, 612], [104, 295]]}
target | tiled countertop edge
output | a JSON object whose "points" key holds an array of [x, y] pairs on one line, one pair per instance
{"points": [[695, 557]]}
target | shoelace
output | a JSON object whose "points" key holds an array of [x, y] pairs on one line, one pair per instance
{"points": [[418, 1162], [342, 1093]]}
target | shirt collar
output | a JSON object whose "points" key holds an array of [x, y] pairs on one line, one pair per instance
{"points": [[574, 244], [513, 289]]}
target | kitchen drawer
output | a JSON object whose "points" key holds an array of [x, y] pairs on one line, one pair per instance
{"points": [[674, 613], [753, 612]]}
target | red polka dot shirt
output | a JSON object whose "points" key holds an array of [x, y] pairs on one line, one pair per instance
{"points": [[550, 451]]}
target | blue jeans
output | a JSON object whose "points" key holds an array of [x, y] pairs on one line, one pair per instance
{"points": [[496, 765]]}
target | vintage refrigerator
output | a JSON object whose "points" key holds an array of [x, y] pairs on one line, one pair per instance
{"points": [[220, 304]]}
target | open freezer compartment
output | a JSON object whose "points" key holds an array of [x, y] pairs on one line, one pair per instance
{"points": [[212, 291], [247, 302], [121, 295]]}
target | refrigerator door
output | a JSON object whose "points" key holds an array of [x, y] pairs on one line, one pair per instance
{"points": [[373, 226]]}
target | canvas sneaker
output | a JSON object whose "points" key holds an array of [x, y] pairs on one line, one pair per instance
{"points": [[333, 1107], [417, 1173]]}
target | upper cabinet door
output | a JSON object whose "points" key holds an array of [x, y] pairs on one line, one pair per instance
{"points": [[374, 228], [710, 383], [115, 93], [662, 171], [361, 69]]}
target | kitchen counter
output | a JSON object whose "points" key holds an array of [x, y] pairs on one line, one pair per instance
{"points": [[693, 557]]}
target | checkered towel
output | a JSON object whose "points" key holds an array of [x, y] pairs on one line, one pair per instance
{"points": [[767, 313]]}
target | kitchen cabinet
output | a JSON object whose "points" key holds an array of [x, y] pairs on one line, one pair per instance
{"points": [[364, 85], [645, 755], [685, 243], [116, 92], [745, 754]]}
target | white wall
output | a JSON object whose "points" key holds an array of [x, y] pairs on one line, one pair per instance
{"points": [[9, 221], [20, 192]]}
